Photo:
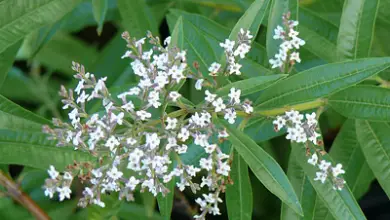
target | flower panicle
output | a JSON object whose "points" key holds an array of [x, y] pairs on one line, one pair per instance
{"points": [[127, 136]]}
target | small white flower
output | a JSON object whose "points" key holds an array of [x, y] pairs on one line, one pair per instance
{"points": [[230, 115], [337, 170], [324, 165], [64, 192], [152, 140], [235, 68], [210, 148], [223, 134], [279, 123], [182, 149], [311, 119], [223, 169], [214, 68], [143, 115], [297, 42], [80, 86], [128, 106], [218, 104], [292, 33], [209, 96], [242, 50], [184, 134], [313, 160], [49, 192], [247, 108], [147, 54], [191, 170], [206, 164], [114, 173], [275, 63], [139, 42], [99, 203], [174, 96], [112, 142], [127, 54], [132, 183], [321, 176], [295, 56], [171, 123], [131, 141], [228, 45], [279, 33], [117, 118], [52, 172], [134, 91], [198, 84], [181, 56], [234, 95], [167, 41], [82, 98], [246, 33], [68, 176]]}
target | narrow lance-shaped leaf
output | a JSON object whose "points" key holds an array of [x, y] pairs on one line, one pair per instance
{"points": [[374, 140], [34, 150], [165, 203], [356, 32], [137, 17], [13, 116], [20, 17], [7, 58], [197, 47], [251, 85], [363, 102], [320, 82], [341, 204], [99, 13], [305, 191], [265, 168], [239, 197], [250, 20], [358, 175], [278, 8]]}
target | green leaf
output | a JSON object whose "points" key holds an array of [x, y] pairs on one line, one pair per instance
{"points": [[358, 175], [278, 8], [319, 34], [99, 13], [33, 149], [303, 188], [251, 19], [341, 204], [363, 102], [149, 202], [62, 49], [219, 33], [12, 116], [7, 58], [239, 198], [18, 17], [375, 143], [177, 36], [357, 28], [197, 47], [108, 61], [347, 151], [133, 210], [265, 168], [165, 203], [251, 85], [320, 82], [137, 18]]}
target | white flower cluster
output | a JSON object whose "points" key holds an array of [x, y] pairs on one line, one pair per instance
{"points": [[133, 146], [302, 131], [234, 51], [326, 170], [288, 52]]}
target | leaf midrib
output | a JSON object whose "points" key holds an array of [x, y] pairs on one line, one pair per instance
{"points": [[322, 83]]}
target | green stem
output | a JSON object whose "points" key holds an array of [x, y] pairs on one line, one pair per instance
{"points": [[298, 107]]}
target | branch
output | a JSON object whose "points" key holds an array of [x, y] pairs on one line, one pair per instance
{"points": [[18, 195]]}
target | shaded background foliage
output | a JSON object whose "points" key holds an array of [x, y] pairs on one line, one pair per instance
{"points": [[89, 32]]}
